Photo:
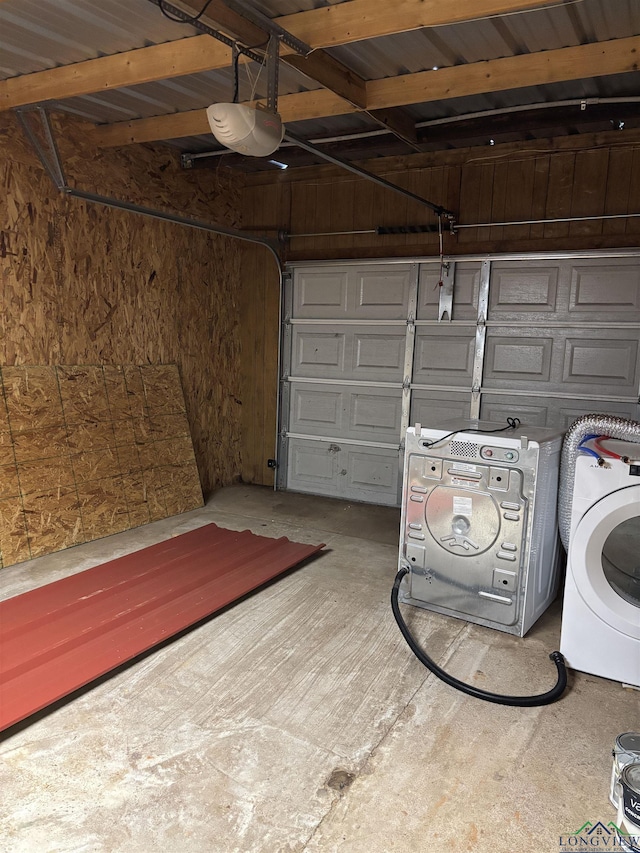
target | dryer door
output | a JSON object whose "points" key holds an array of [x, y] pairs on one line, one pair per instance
{"points": [[604, 559]]}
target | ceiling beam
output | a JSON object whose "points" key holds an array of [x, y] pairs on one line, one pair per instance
{"points": [[332, 25], [355, 20], [316, 104], [617, 56], [171, 59]]}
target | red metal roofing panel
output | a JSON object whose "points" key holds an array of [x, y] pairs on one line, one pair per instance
{"points": [[64, 635]]}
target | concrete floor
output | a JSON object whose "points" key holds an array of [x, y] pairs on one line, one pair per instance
{"points": [[298, 719]]}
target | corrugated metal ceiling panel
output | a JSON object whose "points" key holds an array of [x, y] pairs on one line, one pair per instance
{"points": [[39, 34], [491, 38]]}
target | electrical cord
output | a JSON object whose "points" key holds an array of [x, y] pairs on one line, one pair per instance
{"points": [[512, 423], [497, 698], [187, 20]]}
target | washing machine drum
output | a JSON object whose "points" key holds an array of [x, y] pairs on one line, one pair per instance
{"points": [[604, 558], [621, 560]]}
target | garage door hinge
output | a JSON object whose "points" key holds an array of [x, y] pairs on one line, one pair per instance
{"points": [[411, 321], [482, 321], [406, 384], [475, 390]]}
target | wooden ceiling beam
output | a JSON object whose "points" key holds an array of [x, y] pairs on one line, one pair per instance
{"points": [[317, 104], [617, 56], [158, 62], [331, 25], [355, 20], [398, 122]]}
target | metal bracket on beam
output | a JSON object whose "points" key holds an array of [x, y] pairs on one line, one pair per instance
{"points": [[248, 11], [201, 27], [273, 62]]}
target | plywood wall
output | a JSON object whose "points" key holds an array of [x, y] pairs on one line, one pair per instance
{"points": [[87, 451], [88, 285], [587, 175]]}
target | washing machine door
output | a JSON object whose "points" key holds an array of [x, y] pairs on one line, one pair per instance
{"points": [[604, 558]]}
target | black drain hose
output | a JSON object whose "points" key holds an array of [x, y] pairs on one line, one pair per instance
{"points": [[518, 701]]}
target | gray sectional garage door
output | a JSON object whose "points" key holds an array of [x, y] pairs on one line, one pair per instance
{"points": [[369, 348]]}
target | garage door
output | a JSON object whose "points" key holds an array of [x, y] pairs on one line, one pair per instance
{"points": [[369, 348]]}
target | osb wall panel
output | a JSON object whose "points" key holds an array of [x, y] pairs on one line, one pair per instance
{"points": [[87, 451], [83, 284], [588, 175]]}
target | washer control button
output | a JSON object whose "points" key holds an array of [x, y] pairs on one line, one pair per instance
{"points": [[512, 506], [502, 555], [506, 546], [417, 498], [510, 516]]}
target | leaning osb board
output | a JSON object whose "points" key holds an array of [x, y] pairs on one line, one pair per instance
{"points": [[90, 450]]}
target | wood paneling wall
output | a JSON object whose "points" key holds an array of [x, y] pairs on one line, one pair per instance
{"points": [[85, 284], [587, 175]]}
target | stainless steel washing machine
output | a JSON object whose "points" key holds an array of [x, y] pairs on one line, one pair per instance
{"points": [[479, 522]]}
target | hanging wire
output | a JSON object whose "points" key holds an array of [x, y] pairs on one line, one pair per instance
{"points": [[181, 20]]}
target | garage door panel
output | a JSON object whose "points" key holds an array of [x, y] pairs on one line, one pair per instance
{"points": [[564, 414], [517, 358], [551, 412], [317, 410], [601, 363], [371, 414], [530, 411], [350, 352], [588, 362], [379, 356], [522, 291], [320, 293], [606, 288], [431, 408], [328, 468], [443, 356], [318, 352], [381, 293], [374, 416], [372, 474], [313, 466], [465, 291], [370, 292]]}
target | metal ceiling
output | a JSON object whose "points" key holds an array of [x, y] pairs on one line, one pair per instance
{"points": [[41, 34]]}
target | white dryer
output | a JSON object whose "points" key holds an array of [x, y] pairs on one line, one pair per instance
{"points": [[601, 611]]}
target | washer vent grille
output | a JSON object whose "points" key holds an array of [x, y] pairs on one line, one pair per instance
{"points": [[464, 448]]}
